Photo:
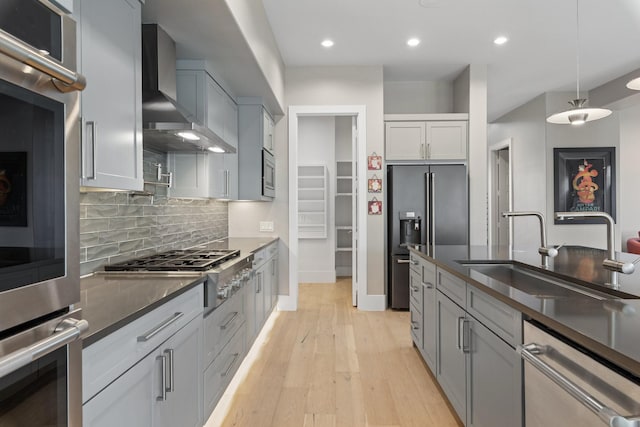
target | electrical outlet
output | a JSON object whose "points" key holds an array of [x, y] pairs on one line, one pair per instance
{"points": [[266, 226]]}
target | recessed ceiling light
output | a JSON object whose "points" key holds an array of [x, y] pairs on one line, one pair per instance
{"points": [[327, 43], [500, 40], [413, 42]]}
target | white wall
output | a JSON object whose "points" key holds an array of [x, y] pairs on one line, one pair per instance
{"points": [[343, 138], [316, 146], [470, 96], [348, 86], [629, 158], [526, 126], [418, 97], [599, 133]]}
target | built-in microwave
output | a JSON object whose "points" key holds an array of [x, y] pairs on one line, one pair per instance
{"points": [[39, 210], [268, 174]]}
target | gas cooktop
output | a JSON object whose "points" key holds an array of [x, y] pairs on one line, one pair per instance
{"points": [[177, 260]]}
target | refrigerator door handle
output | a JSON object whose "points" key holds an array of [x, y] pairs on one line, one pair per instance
{"points": [[427, 210], [432, 222]]}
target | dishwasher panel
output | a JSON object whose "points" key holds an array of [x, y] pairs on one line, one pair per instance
{"points": [[566, 387]]}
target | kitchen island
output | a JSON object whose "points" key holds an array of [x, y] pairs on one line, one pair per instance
{"points": [[477, 312], [607, 327]]}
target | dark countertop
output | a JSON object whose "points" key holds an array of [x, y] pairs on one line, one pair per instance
{"points": [[111, 300], [609, 328]]}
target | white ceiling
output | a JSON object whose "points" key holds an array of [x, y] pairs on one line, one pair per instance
{"points": [[540, 55]]}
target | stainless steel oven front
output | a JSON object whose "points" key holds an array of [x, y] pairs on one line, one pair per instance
{"points": [[268, 174], [39, 238], [39, 181]]}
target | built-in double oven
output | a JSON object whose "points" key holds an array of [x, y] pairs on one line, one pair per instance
{"points": [[40, 347]]}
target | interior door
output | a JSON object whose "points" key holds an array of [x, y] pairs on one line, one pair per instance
{"points": [[354, 210]]}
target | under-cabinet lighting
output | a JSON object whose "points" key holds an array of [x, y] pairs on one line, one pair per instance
{"points": [[634, 84], [188, 135]]}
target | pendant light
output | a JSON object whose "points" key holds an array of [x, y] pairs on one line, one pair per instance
{"points": [[579, 113], [634, 84]]}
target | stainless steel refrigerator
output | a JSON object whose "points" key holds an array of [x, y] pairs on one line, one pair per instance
{"points": [[428, 205]]}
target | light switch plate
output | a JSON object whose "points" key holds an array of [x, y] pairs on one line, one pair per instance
{"points": [[266, 226]]}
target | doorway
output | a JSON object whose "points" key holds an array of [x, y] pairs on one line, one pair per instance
{"points": [[357, 166], [501, 200]]}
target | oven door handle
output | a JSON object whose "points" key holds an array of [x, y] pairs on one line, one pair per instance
{"points": [[65, 80], [67, 332], [529, 353]]}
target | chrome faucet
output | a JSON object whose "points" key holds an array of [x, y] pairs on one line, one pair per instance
{"points": [[610, 263], [543, 250]]}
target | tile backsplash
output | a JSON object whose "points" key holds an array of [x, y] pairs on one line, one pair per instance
{"points": [[118, 226]]}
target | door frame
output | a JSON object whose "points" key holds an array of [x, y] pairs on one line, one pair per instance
{"points": [[290, 302], [493, 214]]}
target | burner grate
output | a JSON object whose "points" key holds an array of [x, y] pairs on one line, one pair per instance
{"points": [[177, 260]]}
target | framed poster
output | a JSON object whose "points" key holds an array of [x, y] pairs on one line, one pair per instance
{"points": [[375, 207], [584, 181], [374, 162], [13, 189], [374, 185]]}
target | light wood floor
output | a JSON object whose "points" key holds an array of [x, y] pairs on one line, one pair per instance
{"points": [[329, 364]]}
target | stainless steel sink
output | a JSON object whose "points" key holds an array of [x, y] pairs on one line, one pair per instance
{"points": [[534, 282]]}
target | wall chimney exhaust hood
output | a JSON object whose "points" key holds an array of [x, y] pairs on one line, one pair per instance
{"points": [[166, 125]]}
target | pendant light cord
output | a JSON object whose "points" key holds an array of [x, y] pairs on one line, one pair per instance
{"points": [[577, 50]]}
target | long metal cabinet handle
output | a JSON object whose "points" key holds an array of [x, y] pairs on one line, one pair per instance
{"points": [[403, 261], [529, 353], [432, 193], [459, 335], [427, 201], [163, 378], [231, 319], [92, 124], [67, 332], [259, 287], [65, 80], [226, 183], [170, 377], [233, 361], [165, 324]]}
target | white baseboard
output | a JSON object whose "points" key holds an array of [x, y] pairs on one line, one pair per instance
{"points": [[316, 276], [372, 302], [287, 303]]}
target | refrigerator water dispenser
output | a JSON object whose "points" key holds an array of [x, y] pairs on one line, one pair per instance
{"points": [[410, 226]]}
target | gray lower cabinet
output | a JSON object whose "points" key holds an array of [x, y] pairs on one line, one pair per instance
{"points": [[182, 379], [249, 291], [494, 380], [468, 339], [162, 389], [110, 57], [451, 370]]}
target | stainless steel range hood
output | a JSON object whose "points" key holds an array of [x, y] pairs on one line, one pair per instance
{"points": [[166, 125]]}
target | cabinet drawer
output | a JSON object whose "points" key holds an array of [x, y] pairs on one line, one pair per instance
{"points": [[428, 273], [416, 290], [220, 326], [272, 249], [452, 286], [218, 375], [502, 320], [416, 326], [414, 262], [108, 358]]}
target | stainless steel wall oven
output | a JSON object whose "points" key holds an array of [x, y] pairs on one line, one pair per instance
{"points": [[39, 186]]}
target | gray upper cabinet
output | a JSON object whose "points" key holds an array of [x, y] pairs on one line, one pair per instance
{"points": [[190, 174], [110, 57], [255, 133], [426, 140], [201, 96]]}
